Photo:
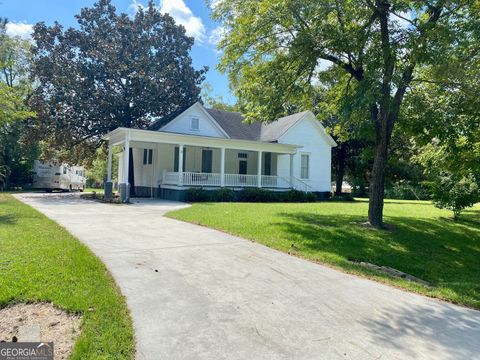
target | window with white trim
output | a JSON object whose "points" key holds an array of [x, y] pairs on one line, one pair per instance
{"points": [[243, 155], [195, 124], [305, 166]]}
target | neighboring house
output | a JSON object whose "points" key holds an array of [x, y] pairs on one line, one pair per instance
{"points": [[210, 148]]}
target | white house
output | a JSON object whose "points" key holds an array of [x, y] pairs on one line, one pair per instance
{"points": [[210, 148]]}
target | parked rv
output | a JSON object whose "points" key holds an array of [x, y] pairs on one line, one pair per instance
{"points": [[49, 177]]}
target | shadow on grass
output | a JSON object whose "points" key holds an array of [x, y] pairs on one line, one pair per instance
{"points": [[445, 253], [7, 219]]}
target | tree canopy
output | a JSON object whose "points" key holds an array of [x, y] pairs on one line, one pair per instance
{"points": [[375, 50], [16, 155], [113, 70]]}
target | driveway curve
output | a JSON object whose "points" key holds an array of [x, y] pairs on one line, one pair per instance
{"points": [[197, 293]]}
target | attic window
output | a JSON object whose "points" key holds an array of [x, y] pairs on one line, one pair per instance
{"points": [[195, 124]]}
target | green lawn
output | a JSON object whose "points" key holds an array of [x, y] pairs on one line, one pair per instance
{"points": [[40, 261], [423, 241], [98, 191]]}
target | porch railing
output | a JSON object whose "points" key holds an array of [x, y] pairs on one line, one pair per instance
{"points": [[241, 180], [230, 180], [205, 179], [171, 177]]}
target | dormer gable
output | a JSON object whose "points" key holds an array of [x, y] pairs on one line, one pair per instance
{"points": [[195, 121]]}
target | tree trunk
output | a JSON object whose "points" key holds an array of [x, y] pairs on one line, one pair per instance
{"points": [[384, 122], [341, 159], [377, 185]]}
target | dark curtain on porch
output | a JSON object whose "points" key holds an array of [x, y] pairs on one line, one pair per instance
{"points": [[176, 156]]}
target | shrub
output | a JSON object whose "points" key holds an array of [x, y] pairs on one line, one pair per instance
{"points": [[257, 195], [262, 195], [407, 191], [455, 194], [197, 195], [248, 195], [223, 195], [343, 197], [297, 196]]}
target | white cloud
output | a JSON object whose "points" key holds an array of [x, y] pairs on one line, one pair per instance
{"points": [[134, 6], [402, 19], [214, 3], [216, 35], [184, 16], [22, 30]]}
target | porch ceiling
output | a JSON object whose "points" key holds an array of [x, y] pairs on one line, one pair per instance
{"points": [[119, 135]]}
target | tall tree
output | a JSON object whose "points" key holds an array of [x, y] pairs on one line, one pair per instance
{"points": [[216, 101], [16, 156], [273, 49], [111, 71]]}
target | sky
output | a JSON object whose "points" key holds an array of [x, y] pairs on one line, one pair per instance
{"points": [[193, 14]]}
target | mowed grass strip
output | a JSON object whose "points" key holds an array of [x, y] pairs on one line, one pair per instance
{"points": [[423, 241], [41, 261]]}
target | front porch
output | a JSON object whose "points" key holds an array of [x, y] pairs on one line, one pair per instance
{"points": [[189, 179], [177, 161]]}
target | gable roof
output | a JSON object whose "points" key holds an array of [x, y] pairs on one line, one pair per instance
{"points": [[271, 132], [159, 122], [234, 126]]}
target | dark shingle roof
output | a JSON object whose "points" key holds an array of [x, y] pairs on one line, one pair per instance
{"points": [[273, 131], [233, 124]]}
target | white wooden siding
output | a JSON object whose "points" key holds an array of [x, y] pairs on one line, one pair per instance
{"points": [[305, 132], [182, 124]]}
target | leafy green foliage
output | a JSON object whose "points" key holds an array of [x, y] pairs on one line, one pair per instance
{"points": [[454, 173], [97, 172], [215, 102], [405, 190], [369, 55], [16, 151], [454, 193], [112, 70], [198, 195], [247, 195]]}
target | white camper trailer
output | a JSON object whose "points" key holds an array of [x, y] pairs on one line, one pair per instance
{"points": [[63, 177]]}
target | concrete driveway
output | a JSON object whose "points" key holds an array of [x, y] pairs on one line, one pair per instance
{"points": [[196, 293]]}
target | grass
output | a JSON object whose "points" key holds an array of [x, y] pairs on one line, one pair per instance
{"points": [[98, 191], [423, 241], [40, 261]]}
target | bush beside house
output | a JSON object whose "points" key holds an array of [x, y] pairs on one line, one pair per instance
{"points": [[247, 195]]}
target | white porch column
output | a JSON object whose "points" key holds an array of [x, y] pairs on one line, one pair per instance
{"points": [[291, 170], [259, 169], [126, 160], [109, 165], [222, 167], [180, 165]]}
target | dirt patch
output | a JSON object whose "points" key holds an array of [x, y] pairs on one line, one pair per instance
{"points": [[52, 323]]}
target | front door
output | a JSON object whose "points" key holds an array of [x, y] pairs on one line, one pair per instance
{"points": [[242, 167], [206, 161]]}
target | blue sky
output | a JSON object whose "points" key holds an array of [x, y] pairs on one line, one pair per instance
{"points": [[193, 14]]}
